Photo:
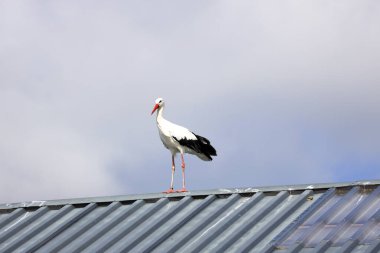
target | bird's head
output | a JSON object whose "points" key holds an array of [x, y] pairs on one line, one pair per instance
{"points": [[159, 103]]}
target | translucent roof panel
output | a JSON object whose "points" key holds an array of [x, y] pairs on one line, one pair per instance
{"points": [[347, 214]]}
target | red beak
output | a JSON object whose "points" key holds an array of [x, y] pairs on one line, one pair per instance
{"points": [[155, 108]]}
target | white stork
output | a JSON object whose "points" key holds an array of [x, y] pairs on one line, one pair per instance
{"points": [[180, 140]]}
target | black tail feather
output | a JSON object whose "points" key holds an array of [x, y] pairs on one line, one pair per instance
{"points": [[201, 145], [206, 147]]}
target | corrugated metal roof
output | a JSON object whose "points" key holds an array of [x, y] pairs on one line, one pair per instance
{"points": [[299, 218]]}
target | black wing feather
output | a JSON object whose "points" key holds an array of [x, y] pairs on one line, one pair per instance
{"points": [[200, 145]]}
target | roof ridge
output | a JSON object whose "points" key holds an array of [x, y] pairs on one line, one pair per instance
{"points": [[220, 191]]}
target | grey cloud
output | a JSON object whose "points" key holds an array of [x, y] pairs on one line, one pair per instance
{"points": [[286, 91]]}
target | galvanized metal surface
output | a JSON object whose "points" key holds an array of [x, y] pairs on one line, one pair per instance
{"points": [[300, 218]]}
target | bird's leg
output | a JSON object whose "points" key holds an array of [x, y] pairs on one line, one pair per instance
{"points": [[171, 190], [183, 175], [173, 170]]}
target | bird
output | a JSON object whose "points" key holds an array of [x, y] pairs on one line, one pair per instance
{"points": [[181, 140]]}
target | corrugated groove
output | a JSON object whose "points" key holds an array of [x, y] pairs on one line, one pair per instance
{"points": [[22, 222], [184, 219], [374, 248], [219, 228], [80, 245], [149, 227], [300, 219], [36, 229], [13, 215], [238, 214], [348, 246], [207, 220], [355, 239], [247, 246], [124, 231], [351, 216], [62, 242], [300, 243], [212, 232], [39, 243]]}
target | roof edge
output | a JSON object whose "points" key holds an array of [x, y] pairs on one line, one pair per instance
{"points": [[220, 191]]}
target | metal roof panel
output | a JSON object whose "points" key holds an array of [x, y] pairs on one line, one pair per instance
{"points": [[296, 218]]}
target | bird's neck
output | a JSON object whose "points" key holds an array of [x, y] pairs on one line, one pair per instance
{"points": [[160, 114]]}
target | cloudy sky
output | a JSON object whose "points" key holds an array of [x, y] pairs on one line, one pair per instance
{"points": [[287, 92]]}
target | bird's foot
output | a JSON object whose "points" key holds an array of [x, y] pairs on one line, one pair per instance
{"points": [[182, 190], [169, 191]]}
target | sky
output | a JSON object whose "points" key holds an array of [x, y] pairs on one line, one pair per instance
{"points": [[286, 91]]}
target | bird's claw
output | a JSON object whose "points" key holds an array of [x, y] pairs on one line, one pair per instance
{"points": [[182, 190], [169, 191]]}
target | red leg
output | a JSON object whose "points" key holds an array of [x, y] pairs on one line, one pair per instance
{"points": [[183, 175], [171, 190]]}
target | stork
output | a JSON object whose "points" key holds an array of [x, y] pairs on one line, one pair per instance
{"points": [[181, 140]]}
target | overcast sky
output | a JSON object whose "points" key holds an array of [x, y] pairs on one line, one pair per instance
{"points": [[287, 92]]}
